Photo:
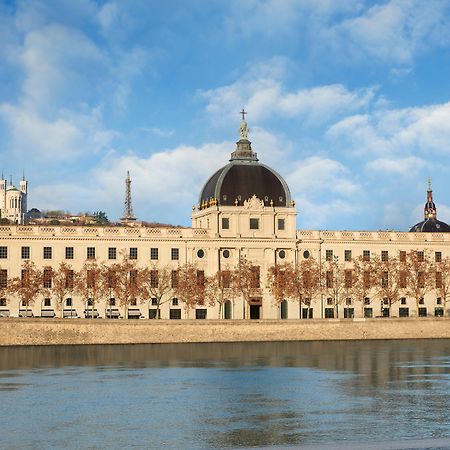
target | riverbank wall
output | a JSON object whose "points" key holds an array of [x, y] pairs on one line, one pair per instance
{"points": [[15, 331]]}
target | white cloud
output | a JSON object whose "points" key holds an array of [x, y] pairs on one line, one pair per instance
{"points": [[267, 97], [394, 31], [408, 166]]}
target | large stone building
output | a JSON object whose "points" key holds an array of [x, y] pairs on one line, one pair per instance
{"points": [[13, 200], [245, 210]]}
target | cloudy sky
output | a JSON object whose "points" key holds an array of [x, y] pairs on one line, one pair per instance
{"points": [[349, 100]]}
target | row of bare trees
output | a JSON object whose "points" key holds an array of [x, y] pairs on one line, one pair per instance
{"points": [[129, 284], [362, 280]]}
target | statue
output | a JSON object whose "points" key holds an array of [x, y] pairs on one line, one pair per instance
{"points": [[244, 130]]}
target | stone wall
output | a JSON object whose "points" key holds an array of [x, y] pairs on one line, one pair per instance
{"points": [[15, 331]]}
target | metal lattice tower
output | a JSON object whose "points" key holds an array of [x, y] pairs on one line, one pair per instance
{"points": [[128, 215]]}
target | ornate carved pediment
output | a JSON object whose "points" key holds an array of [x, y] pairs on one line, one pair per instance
{"points": [[254, 203]]}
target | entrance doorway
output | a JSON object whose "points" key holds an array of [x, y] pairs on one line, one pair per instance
{"points": [[255, 311]]}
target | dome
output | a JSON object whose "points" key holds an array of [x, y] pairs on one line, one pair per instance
{"points": [[245, 177], [430, 223]]}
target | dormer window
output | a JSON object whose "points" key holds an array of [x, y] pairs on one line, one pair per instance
{"points": [[254, 224]]}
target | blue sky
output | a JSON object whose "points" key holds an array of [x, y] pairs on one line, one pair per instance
{"points": [[348, 100]]}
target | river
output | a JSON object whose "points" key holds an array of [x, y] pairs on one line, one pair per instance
{"points": [[348, 394]]}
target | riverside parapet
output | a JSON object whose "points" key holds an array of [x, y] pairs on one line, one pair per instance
{"points": [[16, 331]]}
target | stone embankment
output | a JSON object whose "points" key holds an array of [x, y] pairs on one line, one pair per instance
{"points": [[14, 331]]}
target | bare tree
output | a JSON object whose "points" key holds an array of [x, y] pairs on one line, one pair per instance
{"points": [[279, 279], [157, 284], [334, 282], [28, 286], [442, 274], [364, 280], [218, 289], [246, 282], [63, 283], [391, 277], [190, 286], [127, 285], [419, 275], [89, 284]]}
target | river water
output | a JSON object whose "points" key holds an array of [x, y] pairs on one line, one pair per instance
{"points": [[372, 394]]}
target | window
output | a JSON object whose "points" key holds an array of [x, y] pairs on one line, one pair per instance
{"points": [[174, 302], [3, 278], [402, 256], [368, 312], [254, 224], [329, 313], [282, 254], [420, 256], [154, 301], [439, 301], [421, 301], [69, 279], [402, 280], [439, 312], [349, 313], [68, 302], [329, 301], [47, 302], [69, 252], [226, 253], [2, 301], [348, 301], [174, 278], [384, 255], [200, 253], [48, 277], [90, 253], [385, 280], [281, 224], [255, 277], [329, 279], [25, 253], [200, 313], [329, 255], [422, 312], [133, 253], [175, 314], [47, 253], [367, 301], [200, 278], [153, 278], [366, 255], [175, 254], [421, 279], [133, 302], [225, 223], [152, 313], [403, 300], [348, 255], [112, 302], [438, 256], [403, 312], [133, 277], [3, 252], [112, 253], [348, 282], [306, 254], [90, 279], [154, 253]]}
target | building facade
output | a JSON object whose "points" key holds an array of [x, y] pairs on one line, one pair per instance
{"points": [[245, 210]]}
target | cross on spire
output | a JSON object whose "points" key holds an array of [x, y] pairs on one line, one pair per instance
{"points": [[243, 112]]}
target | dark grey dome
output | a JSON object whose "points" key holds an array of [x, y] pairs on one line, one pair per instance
{"points": [[244, 177], [431, 225]]}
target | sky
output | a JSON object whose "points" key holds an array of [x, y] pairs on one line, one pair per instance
{"points": [[349, 100]]}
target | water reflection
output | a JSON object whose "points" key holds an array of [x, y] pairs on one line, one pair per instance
{"points": [[224, 395]]}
